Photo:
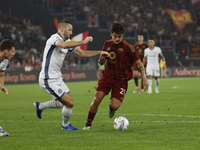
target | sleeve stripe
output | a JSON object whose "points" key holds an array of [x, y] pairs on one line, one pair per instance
{"points": [[130, 46], [72, 50]]}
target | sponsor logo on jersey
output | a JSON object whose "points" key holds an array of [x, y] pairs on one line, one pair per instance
{"points": [[57, 37]]}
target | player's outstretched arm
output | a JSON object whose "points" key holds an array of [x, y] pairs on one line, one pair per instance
{"points": [[143, 74], [72, 44], [86, 54]]}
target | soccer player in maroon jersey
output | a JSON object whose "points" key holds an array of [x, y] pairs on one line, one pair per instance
{"points": [[139, 47], [117, 72]]}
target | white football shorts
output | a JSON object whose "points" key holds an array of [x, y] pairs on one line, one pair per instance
{"points": [[154, 72], [56, 88]]}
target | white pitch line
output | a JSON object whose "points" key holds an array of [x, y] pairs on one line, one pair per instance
{"points": [[137, 121], [163, 115]]}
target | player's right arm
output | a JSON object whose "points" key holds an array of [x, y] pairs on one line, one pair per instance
{"points": [[72, 44], [2, 83]]}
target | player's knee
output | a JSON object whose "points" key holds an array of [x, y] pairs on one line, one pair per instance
{"points": [[97, 101], [69, 103], [115, 106]]}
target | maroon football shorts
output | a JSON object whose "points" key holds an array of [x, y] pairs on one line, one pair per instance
{"points": [[119, 87]]}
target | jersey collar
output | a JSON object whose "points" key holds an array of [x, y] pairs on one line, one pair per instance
{"points": [[60, 35]]}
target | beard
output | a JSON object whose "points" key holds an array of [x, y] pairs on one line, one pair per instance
{"points": [[66, 36]]}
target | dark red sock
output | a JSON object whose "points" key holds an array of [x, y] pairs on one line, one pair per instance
{"points": [[142, 84], [136, 81], [90, 117]]}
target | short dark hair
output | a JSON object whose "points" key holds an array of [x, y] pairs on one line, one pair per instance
{"points": [[6, 44], [117, 28], [139, 33], [64, 21], [151, 37]]}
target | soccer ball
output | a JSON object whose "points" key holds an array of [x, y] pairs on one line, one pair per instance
{"points": [[121, 123]]}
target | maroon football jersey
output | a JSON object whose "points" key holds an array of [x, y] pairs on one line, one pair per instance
{"points": [[140, 49], [122, 57]]}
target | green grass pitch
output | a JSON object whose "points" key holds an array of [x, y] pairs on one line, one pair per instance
{"points": [[168, 120]]}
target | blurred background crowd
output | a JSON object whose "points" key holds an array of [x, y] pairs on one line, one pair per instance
{"points": [[148, 17]]}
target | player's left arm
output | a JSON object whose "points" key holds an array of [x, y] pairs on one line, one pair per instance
{"points": [[2, 83], [72, 44], [143, 74], [86, 54]]}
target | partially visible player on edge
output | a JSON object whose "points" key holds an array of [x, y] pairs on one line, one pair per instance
{"points": [[116, 74], [139, 47], [7, 51], [152, 54], [50, 78]]}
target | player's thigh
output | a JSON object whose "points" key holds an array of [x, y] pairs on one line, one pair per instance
{"points": [[119, 90], [115, 103], [53, 88], [99, 95], [135, 73], [64, 86], [67, 100], [156, 72], [104, 85], [149, 71]]}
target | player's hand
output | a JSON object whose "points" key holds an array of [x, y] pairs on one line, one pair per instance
{"points": [[105, 54], [102, 58], [145, 84], [4, 90], [88, 39]]}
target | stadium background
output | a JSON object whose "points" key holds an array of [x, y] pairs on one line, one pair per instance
{"points": [[30, 22]]}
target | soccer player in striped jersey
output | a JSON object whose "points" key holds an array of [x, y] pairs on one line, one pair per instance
{"points": [[50, 78], [139, 47], [152, 54], [117, 73], [7, 51]]}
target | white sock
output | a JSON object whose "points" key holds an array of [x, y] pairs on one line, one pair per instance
{"points": [[157, 83], [66, 113], [51, 104], [150, 84]]}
